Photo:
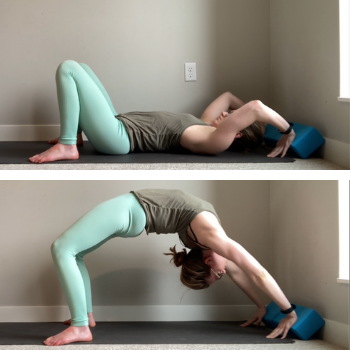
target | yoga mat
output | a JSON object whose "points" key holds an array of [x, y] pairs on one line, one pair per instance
{"points": [[19, 152], [144, 333]]}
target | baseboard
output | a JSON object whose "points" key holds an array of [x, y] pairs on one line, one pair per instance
{"points": [[333, 151], [337, 152], [130, 313], [336, 333], [29, 132]]}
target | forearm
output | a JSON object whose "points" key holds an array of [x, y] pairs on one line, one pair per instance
{"points": [[269, 286], [247, 286], [245, 116], [234, 102], [266, 115], [224, 102]]}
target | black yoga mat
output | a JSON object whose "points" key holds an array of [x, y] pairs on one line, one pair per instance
{"points": [[144, 333], [19, 152]]}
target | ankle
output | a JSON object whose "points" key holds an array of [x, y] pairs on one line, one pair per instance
{"points": [[67, 146], [81, 328]]}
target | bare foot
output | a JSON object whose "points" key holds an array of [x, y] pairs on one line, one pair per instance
{"points": [[92, 322], [70, 335], [57, 152], [80, 141]]}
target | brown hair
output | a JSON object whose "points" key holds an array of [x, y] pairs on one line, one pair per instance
{"points": [[194, 271], [253, 136]]}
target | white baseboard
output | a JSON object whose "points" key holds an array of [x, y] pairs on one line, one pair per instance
{"points": [[130, 313], [334, 151], [29, 132], [336, 333], [333, 332], [337, 152]]}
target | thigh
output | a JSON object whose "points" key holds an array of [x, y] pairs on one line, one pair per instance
{"points": [[119, 217], [97, 81], [96, 118]]}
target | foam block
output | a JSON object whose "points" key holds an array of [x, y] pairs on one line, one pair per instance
{"points": [[309, 321], [307, 139]]}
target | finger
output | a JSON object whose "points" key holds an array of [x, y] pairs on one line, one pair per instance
{"points": [[248, 322], [275, 152], [275, 333], [285, 333], [284, 152], [272, 154]]}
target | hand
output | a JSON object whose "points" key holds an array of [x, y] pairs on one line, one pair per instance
{"points": [[284, 326], [283, 145], [258, 316]]}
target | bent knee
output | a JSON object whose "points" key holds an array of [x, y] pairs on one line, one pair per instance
{"points": [[58, 248], [67, 65], [55, 247]]}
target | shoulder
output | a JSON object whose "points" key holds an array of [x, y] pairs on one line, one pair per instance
{"points": [[196, 138], [207, 228]]}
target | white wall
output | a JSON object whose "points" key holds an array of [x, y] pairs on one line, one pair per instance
{"points": [[290, 227], [283, 52], [305, 73], [305, 251], [124, 271], [137, 48], [243, 48]]}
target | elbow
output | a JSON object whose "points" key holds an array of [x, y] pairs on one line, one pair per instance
{"points": [[256, 105], [261, 275]]}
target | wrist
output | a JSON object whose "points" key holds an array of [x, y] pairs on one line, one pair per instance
{"points": [[289, 310], [292, 315], [288, 130]]}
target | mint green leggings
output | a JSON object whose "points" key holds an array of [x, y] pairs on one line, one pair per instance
{"points": [[84, 105], [123, 217]]}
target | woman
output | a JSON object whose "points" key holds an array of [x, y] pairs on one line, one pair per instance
{"points": [[161, 211], [84, 105]]}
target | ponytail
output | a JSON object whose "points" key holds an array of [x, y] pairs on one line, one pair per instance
{"points": [[194, 272]]}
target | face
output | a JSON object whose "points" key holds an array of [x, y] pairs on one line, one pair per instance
{"points": [[217, 263]]}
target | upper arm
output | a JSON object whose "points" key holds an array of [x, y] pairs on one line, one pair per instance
{"points": [[199, 139], [211, 234], [207, 139]]}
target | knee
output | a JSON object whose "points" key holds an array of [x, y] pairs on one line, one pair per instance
{"points": [[57, 248], [66, 66]]}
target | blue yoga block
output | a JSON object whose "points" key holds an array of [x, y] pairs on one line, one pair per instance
{"points": [[307, 139], [309, 321]]}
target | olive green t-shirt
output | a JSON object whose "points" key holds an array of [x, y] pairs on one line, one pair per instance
{"points": [[156, 131], [171, 211]]}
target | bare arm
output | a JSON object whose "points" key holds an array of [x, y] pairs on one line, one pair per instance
{"points": [[239, 277], [225, 102], [219, 139], [210, 233]]}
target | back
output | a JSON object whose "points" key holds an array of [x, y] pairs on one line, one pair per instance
{"points": [[171, 211]]}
